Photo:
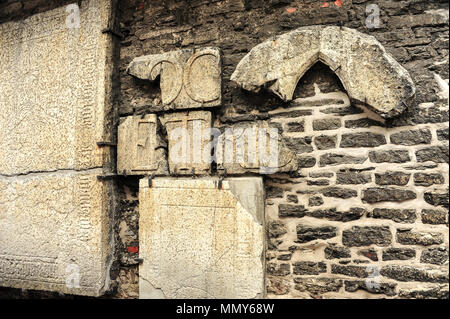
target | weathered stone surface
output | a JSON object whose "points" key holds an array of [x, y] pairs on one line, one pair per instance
{"points": [[338, 159], [351, 271], [408, 237], [337, 252], [278, 286], [140, 146], [434, 217], [397, 215], [367, 235], [275, 269], [353, 213], [254, 147], [295, 127], [287, 210], [387, 289], [408, 273], [398, 254], [189, 147], [392, 178], [55, 231], [315, 201], [424, 179], [292, 199], [339, 192], [411, 137], [325, 142], [370, 253], [442, 134], [440, 292], [437, 256], [306, 233], [437, 198], [199, 241], [276, 229], [347, 178], [189, 78], [326, 124], [437, 154], [317, 286], [55, 106], [309, 268], [363, 139], [282, 61], [397, 156], [387, 194]]}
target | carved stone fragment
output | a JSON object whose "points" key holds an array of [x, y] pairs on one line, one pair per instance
{"points": [[188, 78]]}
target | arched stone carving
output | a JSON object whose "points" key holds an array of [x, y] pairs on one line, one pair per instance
{"points": [[369, 74]]}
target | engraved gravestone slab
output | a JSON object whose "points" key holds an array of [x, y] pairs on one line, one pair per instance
{"points": [[140, 147], [54, 108], [189, 142], [188, 78], [199, 241]]}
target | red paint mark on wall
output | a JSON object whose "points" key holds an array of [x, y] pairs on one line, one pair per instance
{"points": [[325, 5], [133, 249], [140, 6], [290, 10], [338, 3]]}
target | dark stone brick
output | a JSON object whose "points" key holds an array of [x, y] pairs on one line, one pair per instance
{"points": [[387, 289], [408, 237], [436, 256], [306, 161], [306, 233], [397, 215], [326, 124], [338, 159], [321, 174], [318, 286], [337, 252], [274, 192], [278, 269], [434, 217], [408, 273], [347, 177], [291, 114], [338, 192], [437, 154], [398, 254], [439, 292], [285, 256], [361, 123], [276, 229], [351, 271], [286, 210], [392, 178], [325, 142], [442, 134], [398, 156], [369, 253], [437, 198], [362, 139], [299, 145], [411, 137], [334, 215], [315, 201], [424, 179], [309, 268], [318, 182], [278, 286], [292, 199], [346, 110], [295, 126], [358, 236], [387, 194]]}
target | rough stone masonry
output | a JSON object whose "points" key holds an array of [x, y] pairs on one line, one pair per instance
{"points": [[360, 208]]}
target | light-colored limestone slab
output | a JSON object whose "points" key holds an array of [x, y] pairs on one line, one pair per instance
{"points": [[369, 74], [188, 78], [189, 138], [199, 241], [140, 147], [253, 147], [55, 106]]}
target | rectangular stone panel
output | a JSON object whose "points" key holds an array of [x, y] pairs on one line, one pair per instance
{"points": [[189, 142], [141, 148], [55, 106], [201, 239]]}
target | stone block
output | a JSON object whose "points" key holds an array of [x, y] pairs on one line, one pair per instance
{"points": [[141, 148], [200, 239], [188, 78]]}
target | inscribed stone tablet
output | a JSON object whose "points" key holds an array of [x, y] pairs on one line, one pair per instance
{"points": [[199, 241]]}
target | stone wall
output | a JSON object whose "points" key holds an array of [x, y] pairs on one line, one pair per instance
{"points": [[368, 196]]}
